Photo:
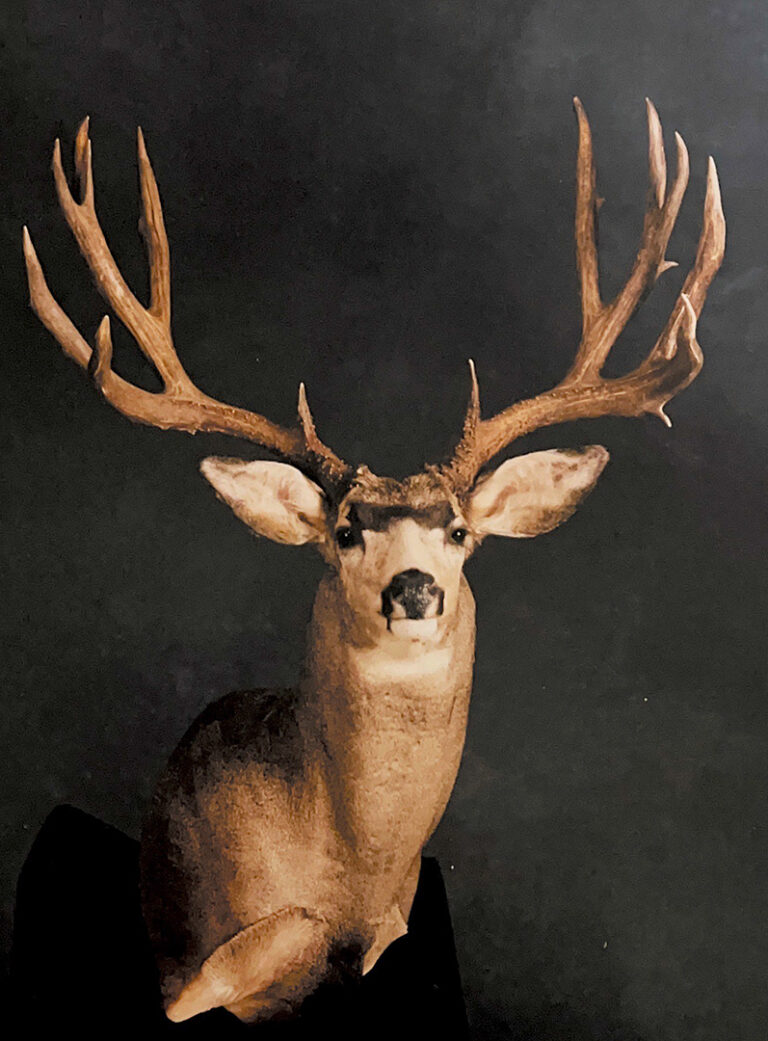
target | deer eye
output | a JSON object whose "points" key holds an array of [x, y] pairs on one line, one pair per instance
{"points": [[459, 536], [345, 537]]}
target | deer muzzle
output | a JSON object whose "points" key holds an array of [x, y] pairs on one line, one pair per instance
{"points": [[411, 601]]}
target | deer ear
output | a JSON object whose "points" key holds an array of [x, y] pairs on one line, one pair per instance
{"points": [[274, 499], [531, 494]]}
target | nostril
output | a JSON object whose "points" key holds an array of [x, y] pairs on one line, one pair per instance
{"points": [[412, 578]]}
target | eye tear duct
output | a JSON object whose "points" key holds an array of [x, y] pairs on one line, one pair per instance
{"points": [[285, 834]]}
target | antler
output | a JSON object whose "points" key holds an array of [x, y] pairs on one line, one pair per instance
{"points": [[180, 406], [675, 359]]}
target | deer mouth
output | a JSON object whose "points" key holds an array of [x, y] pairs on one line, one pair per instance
{"points": [[413, 628]]}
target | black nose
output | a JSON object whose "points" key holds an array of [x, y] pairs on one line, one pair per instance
{"points": [[410, 594]]}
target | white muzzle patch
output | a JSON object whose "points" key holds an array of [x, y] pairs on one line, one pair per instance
{"points": [[413, 628]]}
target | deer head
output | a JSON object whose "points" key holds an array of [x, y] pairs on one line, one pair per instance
{"points": [[434, 519], [395, 549], [398, 547]]}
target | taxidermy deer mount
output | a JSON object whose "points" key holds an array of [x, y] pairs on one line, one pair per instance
{"points": [[284, 840]]}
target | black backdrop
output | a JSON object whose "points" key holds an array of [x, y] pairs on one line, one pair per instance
{"points": [[362, 195]]}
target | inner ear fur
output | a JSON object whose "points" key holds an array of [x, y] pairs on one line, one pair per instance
{"points": [[274, 499], [532, 494]]}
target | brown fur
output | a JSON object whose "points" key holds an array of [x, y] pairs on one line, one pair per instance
{"points": [[314, 803], [284, 841]]}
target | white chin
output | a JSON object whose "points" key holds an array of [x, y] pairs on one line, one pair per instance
{"points": [[413, 628]]}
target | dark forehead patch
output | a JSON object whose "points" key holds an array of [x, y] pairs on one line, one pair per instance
{"points": [[378, 518]]}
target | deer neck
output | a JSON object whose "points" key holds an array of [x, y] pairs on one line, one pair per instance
{"points": [[391, 722]]}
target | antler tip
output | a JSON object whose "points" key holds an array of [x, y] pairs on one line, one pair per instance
{"points": [[472, 417], [682, 155], [654, 121], [305, 415], [713, 210], [663, 416], [59, 177], [100, 361], [30, 254], [656, 158]]}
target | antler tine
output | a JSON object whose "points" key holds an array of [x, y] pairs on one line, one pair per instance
{"points": [[677, 345], [48, 310], [602, 323], [152, 227], [675, 359], [587, 206], [180, 406], [150, 334], [711, 248]]}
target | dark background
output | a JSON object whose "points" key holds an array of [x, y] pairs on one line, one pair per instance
{"points": [[362, 195]]}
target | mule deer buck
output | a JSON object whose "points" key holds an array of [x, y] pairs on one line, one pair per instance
{"points": [[284, 839]]}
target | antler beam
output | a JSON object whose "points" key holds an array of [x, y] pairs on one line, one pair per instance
{"points": [[180, 406], [675, 359]]}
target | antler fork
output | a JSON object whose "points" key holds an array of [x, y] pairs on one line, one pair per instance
{"points": [[674, 360], [180, 406]]}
